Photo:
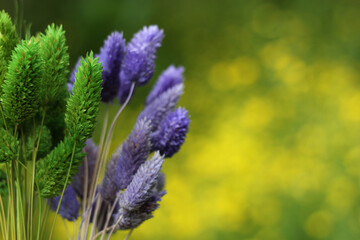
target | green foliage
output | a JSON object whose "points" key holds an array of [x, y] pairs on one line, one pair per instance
{"points": [[51, 171], [55, 118], [8, 146], [21, 88], [56, 61], [3, 67], [81, 111], [3, 184], [45, 143], [8, 36], [83, 106]]}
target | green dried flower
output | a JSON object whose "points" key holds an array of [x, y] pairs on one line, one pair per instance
{"points": [[8, 146], [21, 88], [8, 35]]}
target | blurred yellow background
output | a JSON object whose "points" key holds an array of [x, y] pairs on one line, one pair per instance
{"points": [[273, 90]]}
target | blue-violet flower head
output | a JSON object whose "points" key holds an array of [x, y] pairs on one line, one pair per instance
{"points": [[169, 78], [158, 109], [139, 190], [69, 207], [111, 56], [139, 63], [171, 133]]}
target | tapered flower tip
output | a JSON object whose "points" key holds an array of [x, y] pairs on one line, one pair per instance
{"points": [[158, 109], [139, 62], [171, 133], [149, 37], [140, 188], [111, 57], [169, 78], [69, 207]]}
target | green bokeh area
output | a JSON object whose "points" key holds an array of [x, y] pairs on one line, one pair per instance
{"points": [[273, 89]]}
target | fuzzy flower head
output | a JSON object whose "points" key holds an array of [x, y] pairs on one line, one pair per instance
{"points": [[139, 62], [135, 151], [111, 56], [140, 199], [171, 133], [139, 190], [169, 78], [69, 207], [123, 165], [158, 109]]}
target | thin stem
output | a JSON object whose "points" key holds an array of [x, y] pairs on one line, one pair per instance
{"points": [[3, 220], [119, 112], [114, 226], [39, 220], [129, 234], [109, 215], [95, 217], [62, 194], [85, 214], [107, 229], [97, 164]]}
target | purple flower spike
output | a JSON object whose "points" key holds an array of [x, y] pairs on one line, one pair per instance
{"points": [[79, 179], [70, 85], [171, 133], [139, 62], [133, 218], [169, 78], [135, 151], [69, 207], [120, 171], [108, 187], [162, 106], [140, 188], [111, 56]]}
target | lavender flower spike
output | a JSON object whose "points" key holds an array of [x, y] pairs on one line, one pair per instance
{"points": [[133, 218], [171, 133], [79, 180], [135, 150], [139, 190], [169, 78], [108, 187], [139, 62], [69, 207], [158, 109], [111, 56]]}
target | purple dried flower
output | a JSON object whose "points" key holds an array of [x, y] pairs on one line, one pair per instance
{"points": [[134, 152], [139, 62], [78, 182], [140, 188], [70, 85], [169, 78], [108, 187], [158, 109], [69, 207], [171, 133], [133, 218], [111, 56]]}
